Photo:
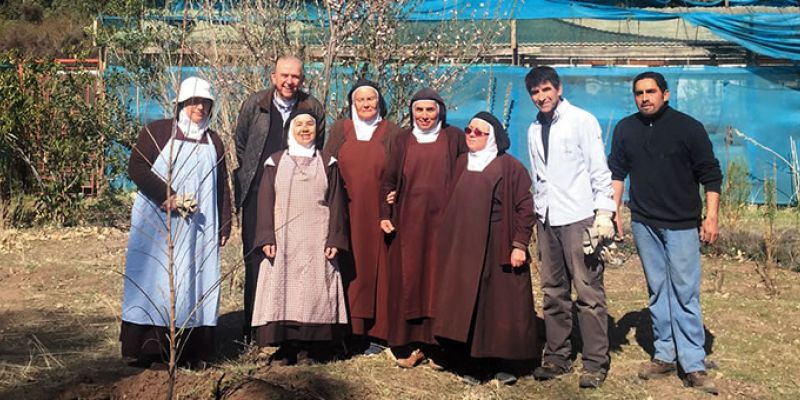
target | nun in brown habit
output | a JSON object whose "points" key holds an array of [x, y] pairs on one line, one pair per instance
{"points": [[299, 303], [361, 144], [484, 299], [420, 171]]}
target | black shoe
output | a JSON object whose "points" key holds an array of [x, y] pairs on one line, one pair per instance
{"points": [[139, 363], [504, 378], [198, 365], [549, 371], [591, 380], [285, 355]]}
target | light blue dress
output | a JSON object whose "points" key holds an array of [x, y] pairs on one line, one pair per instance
{"points": [[196, 244]]}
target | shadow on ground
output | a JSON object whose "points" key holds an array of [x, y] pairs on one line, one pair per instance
{"points": [[618, 330]]}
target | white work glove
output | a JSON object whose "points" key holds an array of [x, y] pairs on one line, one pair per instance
{"points": [[603, 224], [601, 248], [186, 205]]}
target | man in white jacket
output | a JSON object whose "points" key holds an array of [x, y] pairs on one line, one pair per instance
{"points": [[572, 195]]}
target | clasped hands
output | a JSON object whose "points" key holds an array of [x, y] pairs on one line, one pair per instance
{"points": [[270, 251]]}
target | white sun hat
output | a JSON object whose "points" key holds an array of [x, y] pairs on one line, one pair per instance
{"points": [[194, 87]]}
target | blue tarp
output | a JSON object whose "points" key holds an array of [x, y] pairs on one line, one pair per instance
{"points": [[776, 34], [762, 102]]}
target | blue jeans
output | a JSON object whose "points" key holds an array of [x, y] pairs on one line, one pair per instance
{"points": [[671, 261]]}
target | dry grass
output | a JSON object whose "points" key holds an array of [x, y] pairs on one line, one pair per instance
{"points": [[60, 298]]}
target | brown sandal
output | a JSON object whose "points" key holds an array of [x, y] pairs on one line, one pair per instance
{"points": [[411, 361]]}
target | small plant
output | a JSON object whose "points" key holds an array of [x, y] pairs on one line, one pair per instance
{"points": [[769, 211], [735, 191]]}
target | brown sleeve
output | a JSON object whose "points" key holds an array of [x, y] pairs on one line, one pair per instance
{"points": [[265, 213], [152, 138], [456, 145], [392, 130], [522, 200], [391, 173], [335, 138], [461, 141], [223, 188], [336, 199]]}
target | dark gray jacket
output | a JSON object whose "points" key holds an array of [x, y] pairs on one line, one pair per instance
{"points": [[252, 128]]}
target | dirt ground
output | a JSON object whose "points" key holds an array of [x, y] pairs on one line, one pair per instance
{"points": [[60, 293]]}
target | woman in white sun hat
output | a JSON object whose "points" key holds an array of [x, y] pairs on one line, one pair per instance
{"points": [[178, 166]]}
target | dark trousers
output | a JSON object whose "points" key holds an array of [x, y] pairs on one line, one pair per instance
{"points": [[252, 260], [565, 265]]}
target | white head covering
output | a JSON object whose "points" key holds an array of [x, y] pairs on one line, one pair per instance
{"points": [[193, 87], [295, 148], [365, 128], [426, 135], [477, 161]]}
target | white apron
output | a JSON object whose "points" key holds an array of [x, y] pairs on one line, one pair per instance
{"points": [[196, 250]]}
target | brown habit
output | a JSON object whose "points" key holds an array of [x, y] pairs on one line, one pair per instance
{"points": [[361, 164], [481, 300], [422, 175]]}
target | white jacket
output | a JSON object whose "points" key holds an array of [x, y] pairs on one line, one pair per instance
{"points": [[575, 181]]}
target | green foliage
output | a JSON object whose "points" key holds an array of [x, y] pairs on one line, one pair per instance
{"points": [[29, 10], [60, 36], [55, 131], [735, 191]]}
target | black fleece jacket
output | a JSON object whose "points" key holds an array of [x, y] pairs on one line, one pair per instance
{"points": [[667, 156]]}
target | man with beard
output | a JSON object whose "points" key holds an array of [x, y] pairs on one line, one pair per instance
{"points": [[667, 155]]}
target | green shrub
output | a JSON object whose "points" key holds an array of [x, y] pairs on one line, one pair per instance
{"points": [[56, 128]]}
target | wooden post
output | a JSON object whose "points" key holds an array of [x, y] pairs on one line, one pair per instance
{"points": [[514, 47]]}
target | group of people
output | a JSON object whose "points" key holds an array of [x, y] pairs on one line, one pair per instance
{"points": [[417, 238]]}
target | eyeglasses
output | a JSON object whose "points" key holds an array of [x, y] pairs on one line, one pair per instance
{"points": [[475, 132]]}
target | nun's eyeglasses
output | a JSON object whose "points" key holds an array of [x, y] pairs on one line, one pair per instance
{"points": [[475, 132]]}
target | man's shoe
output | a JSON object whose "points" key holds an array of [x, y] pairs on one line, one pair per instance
{"points": [[592, 380], [701, 381], [505, 378], [656, 369], [549, 371]]}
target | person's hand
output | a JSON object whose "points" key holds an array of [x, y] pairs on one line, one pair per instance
{"points": [[618, 224], [603, 225], [223, 241], [391, 197], [517, 257], [330, 252], [170, 204], [269, 250], [709, 231], [386, 226]]}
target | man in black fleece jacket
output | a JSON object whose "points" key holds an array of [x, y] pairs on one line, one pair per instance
{"points": [[667, 155]]}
